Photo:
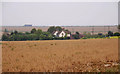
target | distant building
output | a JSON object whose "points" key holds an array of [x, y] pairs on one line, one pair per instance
{"points": [[27, 25], [61, 33]]}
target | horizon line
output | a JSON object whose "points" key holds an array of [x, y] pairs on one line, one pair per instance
{"points": [[55, 25]]}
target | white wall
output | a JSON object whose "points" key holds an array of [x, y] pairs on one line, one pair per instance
{"points": [[62, 34]]}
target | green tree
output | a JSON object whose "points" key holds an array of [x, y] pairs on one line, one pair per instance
{"points": [[110, 33], [5, 37], [100, 34], [15, 32], [12, 33], [47, 36], [33, 30], [51, 29], [77, 35], [116, 34], [39, 31], [27, 33], [59, 28]]}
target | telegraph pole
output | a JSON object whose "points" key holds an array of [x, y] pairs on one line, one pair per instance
{"points": [[108, 28], [92, 30], [72, 30], [104, 29]]}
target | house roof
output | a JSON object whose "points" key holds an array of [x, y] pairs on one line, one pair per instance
{"points": [[53, 32], [59, 32], [68, 32]]}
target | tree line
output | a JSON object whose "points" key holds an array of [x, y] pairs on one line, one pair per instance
{"points": [[34, 34], [38, 34], [100, 35]]}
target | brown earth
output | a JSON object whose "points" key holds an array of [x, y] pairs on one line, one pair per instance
{"points": [[60, 55]]}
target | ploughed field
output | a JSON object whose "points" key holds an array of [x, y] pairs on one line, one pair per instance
{"points": [[90, 55]]}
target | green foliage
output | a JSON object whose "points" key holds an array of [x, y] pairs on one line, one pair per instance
{"points": [[76, 36], [89, 36], [84, 38], [34, 35], [116, 34], [33, 30], [110, 33], [39, 31], [5, 37], [59, 28], [53, 28], [27, 33], [100, 34], [40, 35], [15, 32], [12, 33], [77, 33]]}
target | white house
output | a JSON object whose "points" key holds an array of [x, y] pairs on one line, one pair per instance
{"points": [[61, 33], [55, 33]]}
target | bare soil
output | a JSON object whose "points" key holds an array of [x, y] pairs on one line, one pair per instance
{"points": [[90, 55]]}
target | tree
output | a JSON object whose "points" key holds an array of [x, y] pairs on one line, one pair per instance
{"points": [[110, 33], [39, 31], [4, 37], [77, 33], [100, 34], [59, 28], [12, 33], [15, 32], [66, 30], [76, 36], [116, 34], [51, 29], [27, 33], [33, 30], [46, 36], [119, 27]]}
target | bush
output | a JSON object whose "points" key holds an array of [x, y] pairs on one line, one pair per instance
{"points": [[116, 34], [110, 33], [5, 37]]}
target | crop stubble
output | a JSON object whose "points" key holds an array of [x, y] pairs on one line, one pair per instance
{"points": [[59, 55]]}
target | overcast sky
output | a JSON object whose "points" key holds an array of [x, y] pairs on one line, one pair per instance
{"points": [[60, 13]]}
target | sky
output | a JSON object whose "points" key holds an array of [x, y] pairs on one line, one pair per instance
{"points": [[59, 13], [60, 0]]}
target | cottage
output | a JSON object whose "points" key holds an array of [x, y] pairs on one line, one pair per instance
{"points": [[61, 33]]}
